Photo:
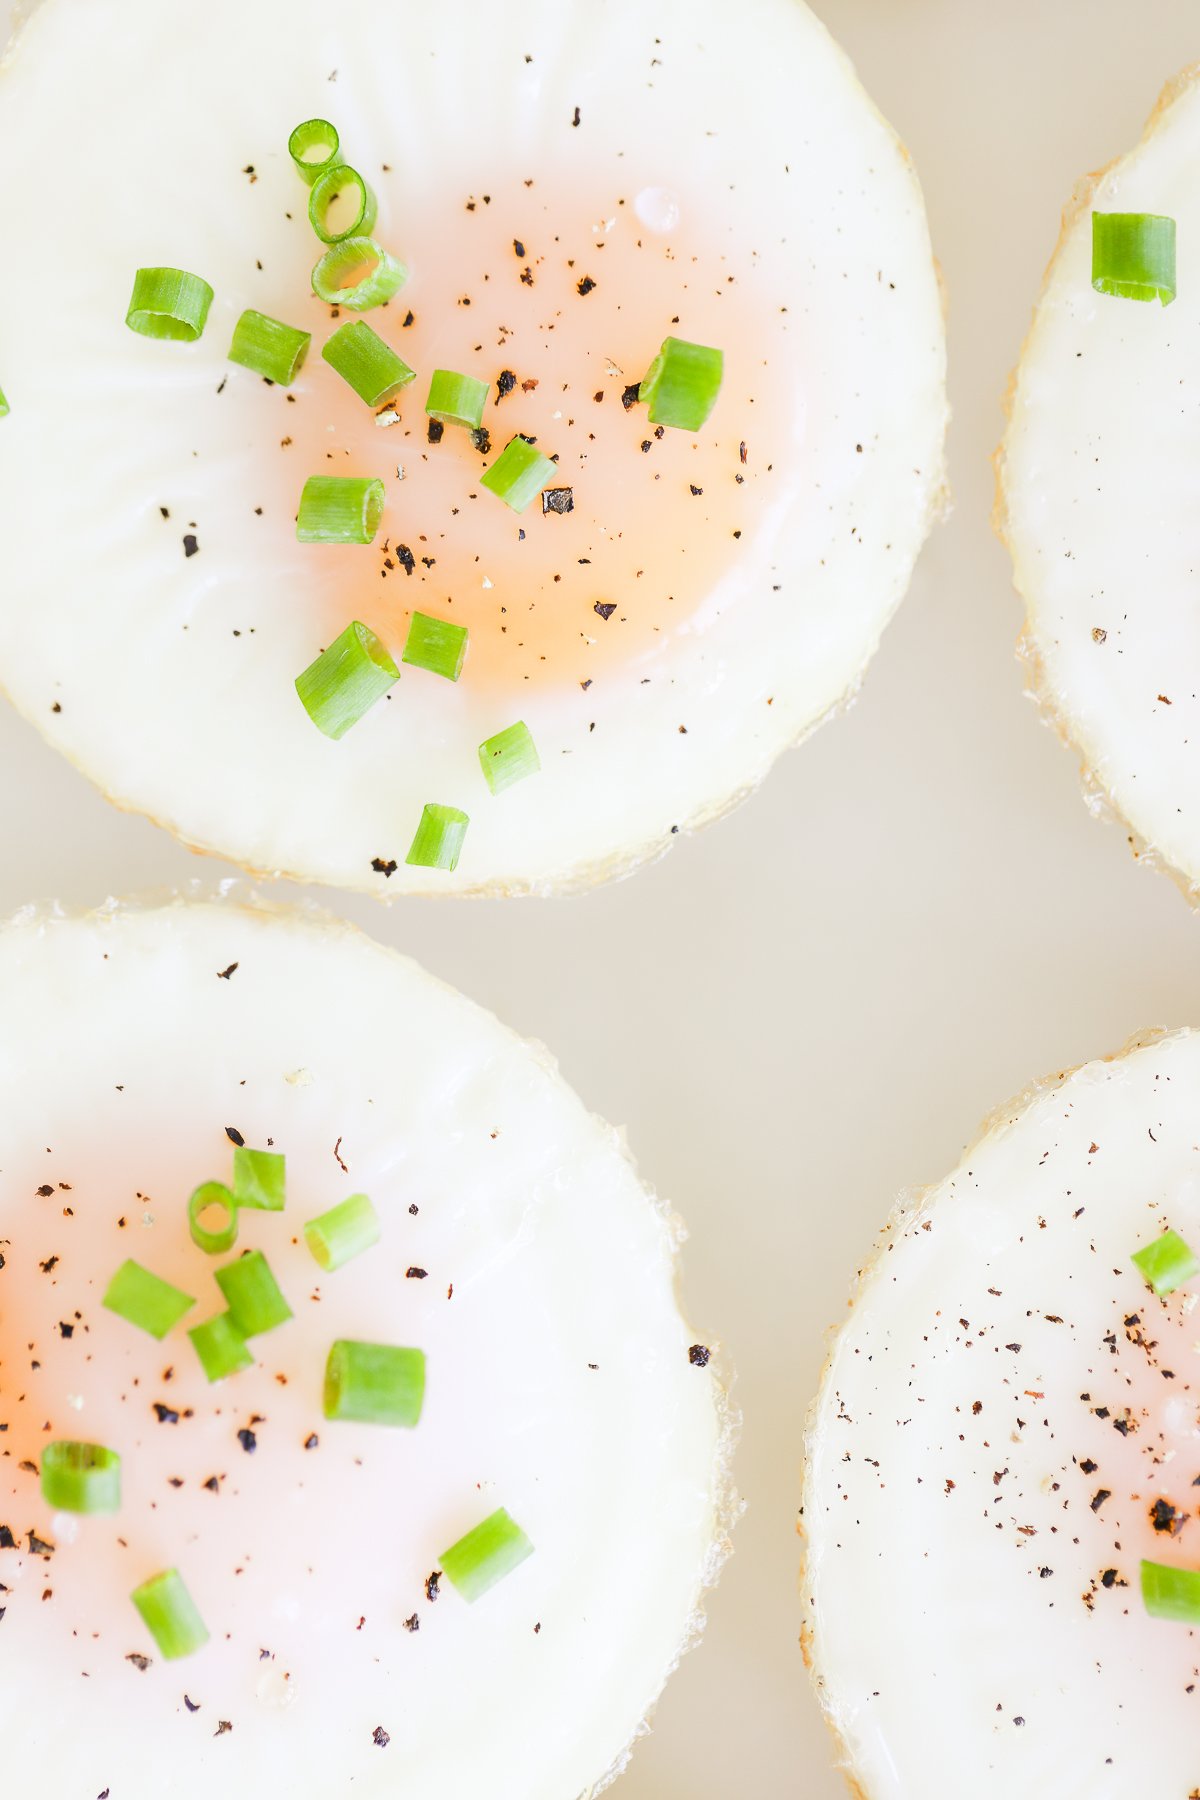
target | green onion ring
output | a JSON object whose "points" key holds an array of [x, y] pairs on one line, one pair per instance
{"points": [[379, 275]]}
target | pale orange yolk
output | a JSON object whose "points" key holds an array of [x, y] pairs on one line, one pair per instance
{"points": [[567, 295]]}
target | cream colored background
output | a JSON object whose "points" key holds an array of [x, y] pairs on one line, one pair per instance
{"points": [[814, 1003]]}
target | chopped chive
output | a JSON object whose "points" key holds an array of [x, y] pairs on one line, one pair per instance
{"points": [[169, 303], [221, 1347], [209, 1196], [4, 406], [1133, 256], [81, 1478], [329, 186], [374, 1384], [1167, 1263], [339, 509], [345, 1231], [315, 148], [259, 1178], [682, 384], [253, 1295], [271, 349], [169, 1615], [484, 1556], [457, 399], [436, 645], [136, 1294], [357, 273], [1169, 1593], [519, 474], [346, 680], [509, 756], [439, 838], [370, 366]]}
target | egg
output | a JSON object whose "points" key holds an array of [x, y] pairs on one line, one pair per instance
{"points": [[1007, 1431], [1096, 507], [517, 1250], [568, 187]]}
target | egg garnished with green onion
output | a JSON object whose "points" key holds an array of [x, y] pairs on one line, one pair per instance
{"points": [[487, 435], [1096, 489], [351, 1438], [1002, 1500]]}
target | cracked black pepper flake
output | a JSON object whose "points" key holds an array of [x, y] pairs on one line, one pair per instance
{"points": [[631, 395], [558, 500], [190, 544], [234, 1136], [575, 119], [311, 1441], [431, 1585], [1099, 1497], [1166, 1517], [38, 1546], [68, 1331], [482, 440], [412, 1624], [226, 974], [506, 381], [518, 250], [584, 286], [7, 1540], [247, 1440], [166, 1415], [138, 1660], [223, 1725], [406, 559], [193, 1706], [698, 1355], [381, 1737], [435, 431], [694, 488], [384, 865], [415, 1274], [46, 1189]]}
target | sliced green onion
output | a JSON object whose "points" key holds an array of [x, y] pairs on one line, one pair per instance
{"points": [[519, 474], [1167, 1263], [682, 384], [4, 406], [486, 1555], [210, 1195], [81, 1478], [509, 756], [374, 1384], [343, 1232], [259, 1178], [169, 303], [339, 509], [439, 839], [327, 189], [437, 645], [1133, 256], [314, 147], [346, 680], [357, 273], [253, 1295], [371, 367], [458, 399], [270, 348], [221, 1347], [136, 1294], [1169, 1593], [169, 1615]]}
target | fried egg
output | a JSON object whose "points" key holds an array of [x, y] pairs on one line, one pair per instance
{"points": [[1008, 1426], [568, 186], [1096, 507], [517, 1249]]}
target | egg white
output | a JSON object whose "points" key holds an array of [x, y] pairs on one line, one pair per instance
{"points": [[560, 1383], [169, 679], [1001, 1410], [1096, 506]]}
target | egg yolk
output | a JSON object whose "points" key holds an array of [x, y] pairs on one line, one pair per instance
{"points": [[559, 298]]}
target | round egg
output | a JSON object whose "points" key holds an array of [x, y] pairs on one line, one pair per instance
{"points": [[598, 605], [436, 1496], [1002, 1496], [1094, 496]]}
